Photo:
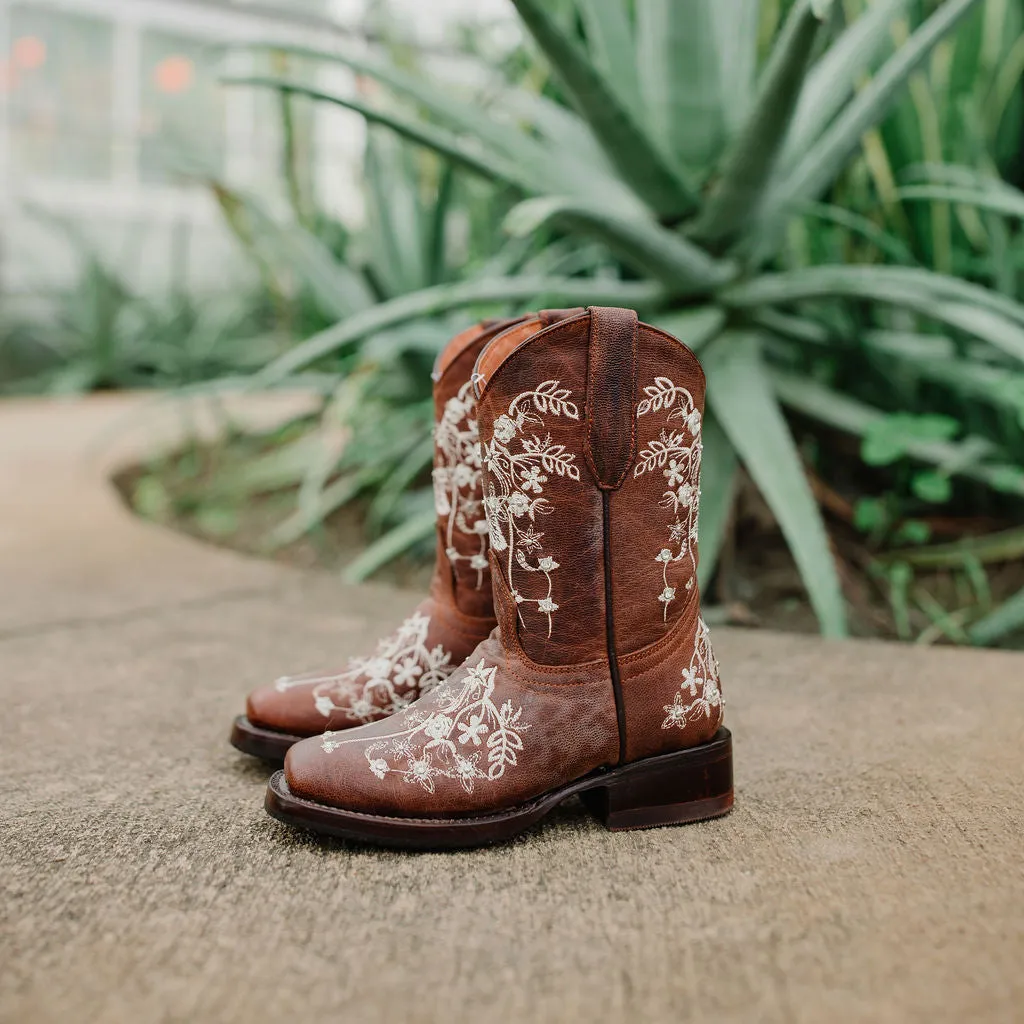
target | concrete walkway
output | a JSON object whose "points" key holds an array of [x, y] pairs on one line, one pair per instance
{"points": [[873, 869]]}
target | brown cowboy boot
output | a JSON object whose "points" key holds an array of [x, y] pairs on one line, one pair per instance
{"points": [[600, 679], [445, 627]]}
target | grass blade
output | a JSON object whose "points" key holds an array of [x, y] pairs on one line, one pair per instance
{"points": [[829, 155]]}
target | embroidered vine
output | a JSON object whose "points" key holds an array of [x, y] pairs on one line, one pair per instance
{"points": [[456, 478], [700, 684], [451, 740], [402, 668], [515, 488], [677, 453]]}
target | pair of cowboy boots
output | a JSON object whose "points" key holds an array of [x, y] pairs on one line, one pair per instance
{"points": [[561, 650]]}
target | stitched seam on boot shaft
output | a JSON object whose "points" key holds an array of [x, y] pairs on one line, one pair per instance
{"points": [[594, 361], [609, 612]]}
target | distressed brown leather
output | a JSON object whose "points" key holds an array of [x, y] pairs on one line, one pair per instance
{"points": [[446, 625], [590, 433]]}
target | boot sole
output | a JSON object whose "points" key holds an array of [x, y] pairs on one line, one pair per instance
{"points": [[670, 789], [266, 744]]}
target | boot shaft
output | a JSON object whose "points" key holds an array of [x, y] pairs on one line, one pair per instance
{"points": [[462, 572], [591, 442]]}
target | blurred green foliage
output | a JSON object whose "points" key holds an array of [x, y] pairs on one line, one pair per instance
{"points": [[816, 195]]}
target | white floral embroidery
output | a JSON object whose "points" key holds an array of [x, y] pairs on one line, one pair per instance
{"points": [[445, 742], [677, 453], [700, 684], [402, 668], [456, 478], [516, 482]]}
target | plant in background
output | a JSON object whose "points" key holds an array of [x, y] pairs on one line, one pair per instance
{"points": [[100, 333], [686, 139]]}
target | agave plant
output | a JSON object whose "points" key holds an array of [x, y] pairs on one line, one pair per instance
{"points": [[686, 139]]}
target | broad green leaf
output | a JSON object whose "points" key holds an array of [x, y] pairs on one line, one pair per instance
{"points": [[741, 396], [751, 159], [932, 486], [415, 529], [679, 70], [832, 79], [890, 438], [966, 458], [681, 266], [542, 291], [609, 33], [1005, 619], [717, 489], [638, 159], [693, 327], [829, 155], [736, 25], [971, 308]]}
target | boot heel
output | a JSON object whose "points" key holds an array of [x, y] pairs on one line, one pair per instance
{"points": [[670, 789]]}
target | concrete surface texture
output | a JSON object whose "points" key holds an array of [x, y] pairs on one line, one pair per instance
{"points": [[873, 869]]}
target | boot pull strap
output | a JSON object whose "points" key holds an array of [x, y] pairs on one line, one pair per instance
{"points": [[553, 316], [611, 394]]}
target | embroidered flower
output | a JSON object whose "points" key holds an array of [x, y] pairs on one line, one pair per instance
{"points": [[377, 668], [518, 503], [438, 727], [691, 680], [407, 672], [421, 771], [470, 706], [532, 479], [529, 539], [699, 681], [676, 473], [518, 465], [681, 450], [675, 713], [324, 704], [504, 429], [456, 478], [480, 527], [472, 730], [362, 708]]}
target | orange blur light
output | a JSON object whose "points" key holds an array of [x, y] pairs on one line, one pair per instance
{"points": [[29, 53], [174, 75]]}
